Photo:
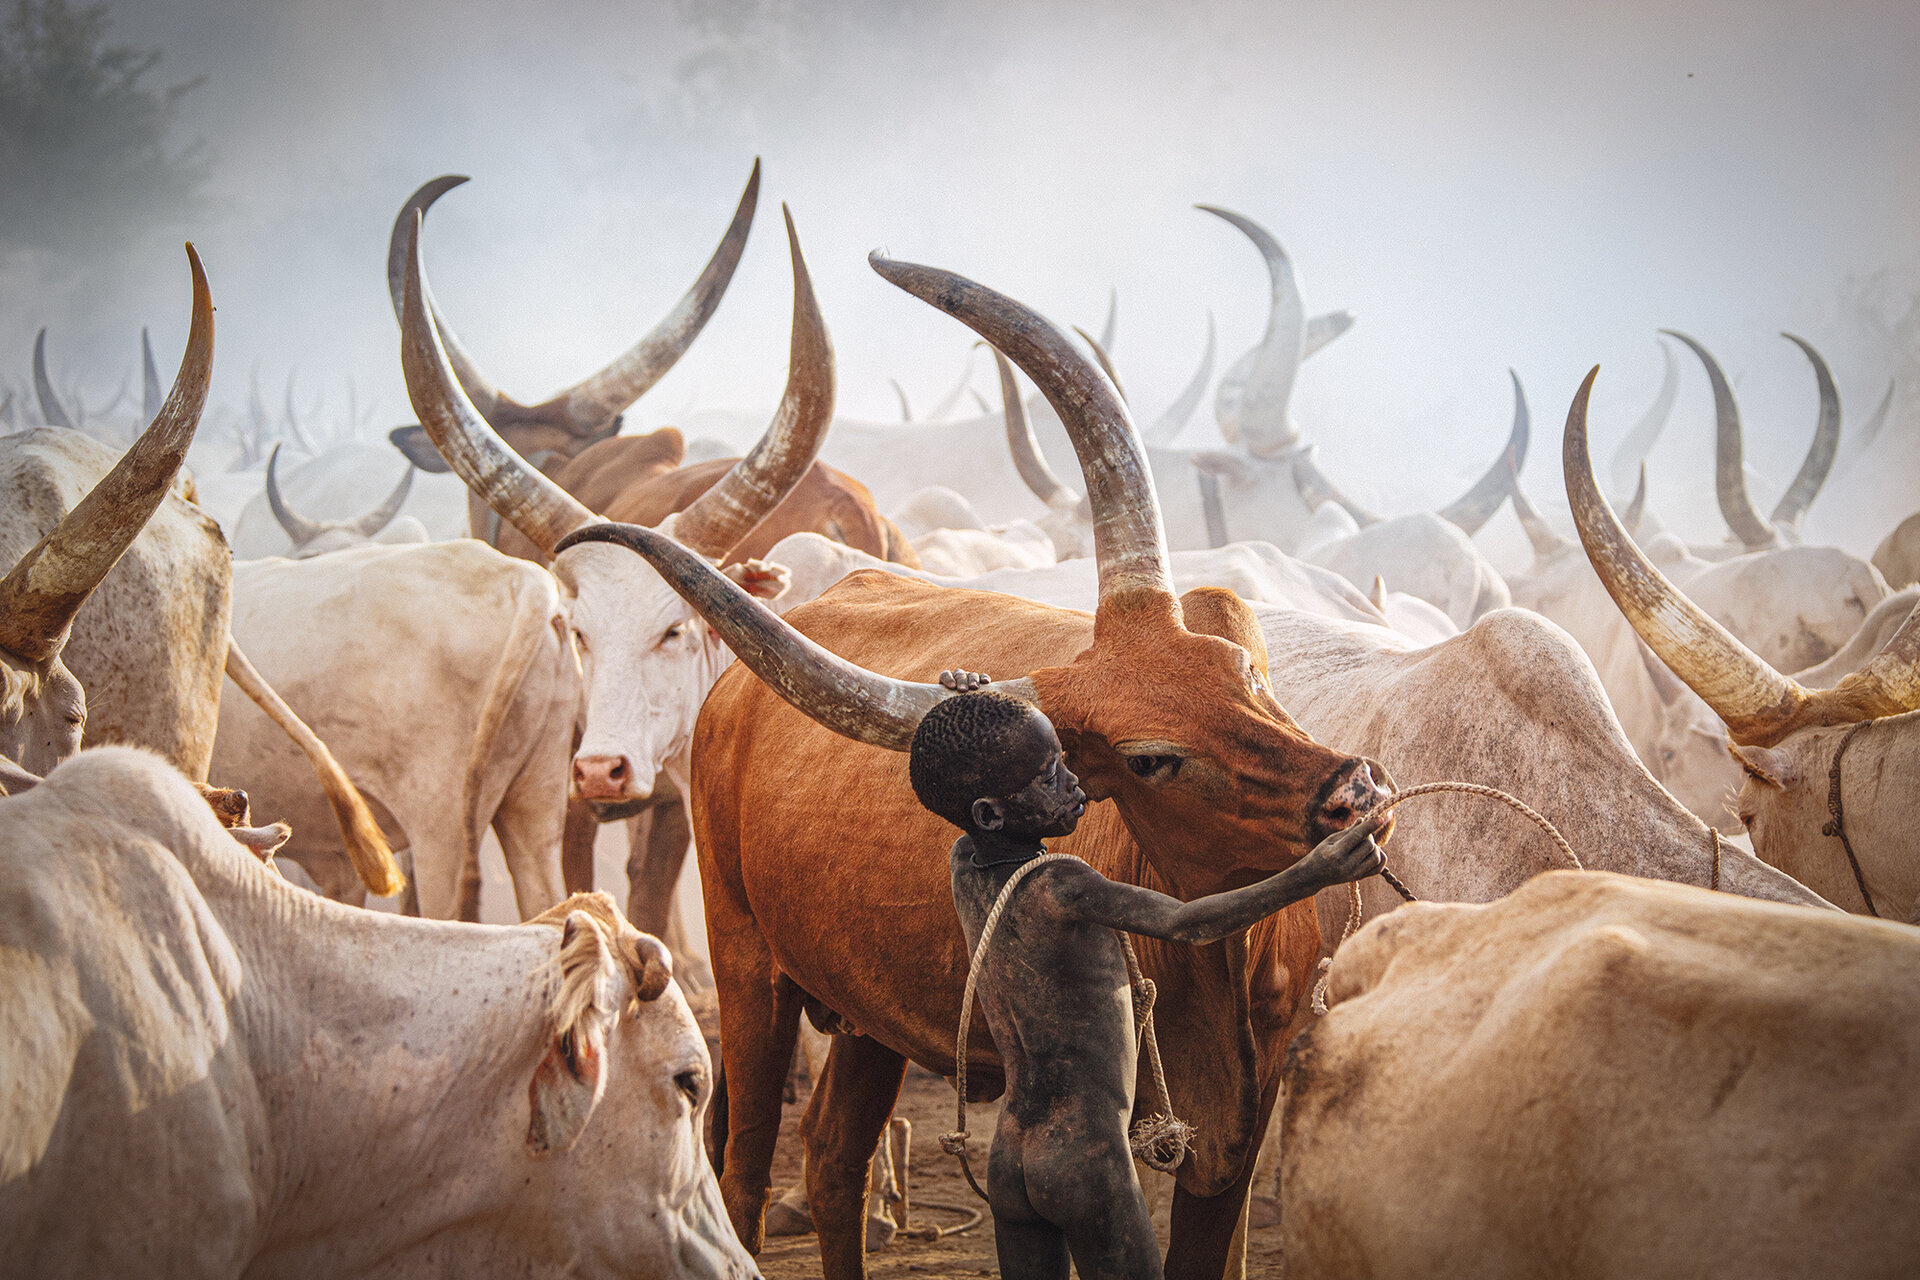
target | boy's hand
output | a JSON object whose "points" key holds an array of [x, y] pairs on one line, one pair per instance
{"points": [[964, 681], [1347, 855]]}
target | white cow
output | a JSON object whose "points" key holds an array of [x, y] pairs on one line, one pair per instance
{"points": [[212, 1073], [443, 677], [341, 491]]}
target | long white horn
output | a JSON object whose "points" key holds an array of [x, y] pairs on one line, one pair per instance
{"points": [[1729, 465], [1168, 426], [1633, 450], [52, 412], [1476, 506], [1264, 414], [1818, 464]]}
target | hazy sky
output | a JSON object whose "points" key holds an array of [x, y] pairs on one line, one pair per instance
{"points": [[1485, 185]]}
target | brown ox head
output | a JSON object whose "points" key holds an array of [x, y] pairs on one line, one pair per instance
{"points": [[569, 420], [1167, 712], [42, 707], [1782, 732]]}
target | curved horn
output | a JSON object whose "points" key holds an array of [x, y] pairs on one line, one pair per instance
{"points": [[534, 504], [1106, 363], [381, 516], [1546, 540], [1818, 464], [1633, 450], [715, 522], [1024, 446], [1729, 467], [1168, 426], [1637, 508], [1476, 506], [151, 397], [1108, 328], [596, 401], [1756, 701], [906, 410], [1860, 441], [1130, 545], [51, 411], [41, 594], [486, 397], [300, 529], [847, 699], [1323, 329], [1263, 412], [940, 411], [1315, 488]]}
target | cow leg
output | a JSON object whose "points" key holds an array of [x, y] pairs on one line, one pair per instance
{"points": [[759, 1019], [576, 847], [531, 824], [656, 850], [1208, 1235], [842, 1128]]}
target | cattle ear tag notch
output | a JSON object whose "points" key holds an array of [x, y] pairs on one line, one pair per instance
{"points": [[571, 1078]]}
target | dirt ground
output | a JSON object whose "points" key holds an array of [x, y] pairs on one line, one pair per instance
{"points": [[928, 1102]]}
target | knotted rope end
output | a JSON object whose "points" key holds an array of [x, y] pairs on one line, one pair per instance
{"points": [[1160, 1141]]}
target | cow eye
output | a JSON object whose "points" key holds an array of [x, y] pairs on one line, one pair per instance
{"points": [[1147, 766], [673, 633], [688, 1082]]}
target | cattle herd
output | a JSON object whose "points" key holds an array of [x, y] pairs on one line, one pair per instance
{"points": [[1698, 1053]]}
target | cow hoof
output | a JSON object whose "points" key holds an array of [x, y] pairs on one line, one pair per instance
{"points": [[785, 1220], [879, 1233]]}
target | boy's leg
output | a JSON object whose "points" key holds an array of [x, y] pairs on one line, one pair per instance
{"points": [[1030, 1247], [1081, 1177]]}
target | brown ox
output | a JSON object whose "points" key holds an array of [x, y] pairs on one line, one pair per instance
{"points": [[1787, 737], [1163, 707]]}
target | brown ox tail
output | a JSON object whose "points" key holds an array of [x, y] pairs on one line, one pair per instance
{"points": [[523, 641], [366, 846], [899, 550]]}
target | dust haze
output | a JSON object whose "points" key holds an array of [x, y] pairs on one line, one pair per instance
{"points": [[1486, 186]]}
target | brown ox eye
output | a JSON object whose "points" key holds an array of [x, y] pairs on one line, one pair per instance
{"points": [[1146, 766]]}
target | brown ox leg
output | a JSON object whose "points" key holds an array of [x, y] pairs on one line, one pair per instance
{"points": [[842, 1129], [759, 1022], [1207, 1239], [576, 847]]}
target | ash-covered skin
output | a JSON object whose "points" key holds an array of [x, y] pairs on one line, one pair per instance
{"points": [[1054, 987]]}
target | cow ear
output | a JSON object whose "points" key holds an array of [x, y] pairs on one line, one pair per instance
{"points": [[1766, 766], [571, 1078], [261, 842], [649, 964], [760, 579], [418, 447]]}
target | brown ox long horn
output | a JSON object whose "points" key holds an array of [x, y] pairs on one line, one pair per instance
{"points": [[1168, 426], [715, 522], [382, 516], [300, 529], [1729, 466], [41, 594], [1106, 362], [1818, 463], [1476, 506], [1130, 545], [847, 699], [1025, 447], [1633, 450], [151, 396], [1263, 413], [535, 505], [52, 412], [486, 397]]}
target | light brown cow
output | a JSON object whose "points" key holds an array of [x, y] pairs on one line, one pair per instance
{"points": [[1603, 1076], [1788, 739], [821, 872]]}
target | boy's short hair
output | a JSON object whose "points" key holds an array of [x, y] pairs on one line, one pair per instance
{"points": [[967, 747]]}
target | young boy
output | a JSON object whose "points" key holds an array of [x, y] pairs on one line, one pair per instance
{"points": [[1054, 986]]}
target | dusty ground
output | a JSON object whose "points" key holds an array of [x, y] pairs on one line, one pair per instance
{"points": [[928, 1102]]}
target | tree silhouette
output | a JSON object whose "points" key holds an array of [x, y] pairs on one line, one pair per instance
{"points": [[84, 156]]}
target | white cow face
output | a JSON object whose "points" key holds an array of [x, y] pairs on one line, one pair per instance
{"points": [[648, 663], [43, 710]]}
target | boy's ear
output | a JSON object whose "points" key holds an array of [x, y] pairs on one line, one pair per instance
{"points": [[988, 815]]}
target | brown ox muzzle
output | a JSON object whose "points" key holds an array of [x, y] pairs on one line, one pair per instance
{"points": [[1348, 797]]}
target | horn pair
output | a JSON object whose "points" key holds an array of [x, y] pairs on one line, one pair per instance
{"points": [[1129, 544], [715, 522], [1759, 705], [303, 530], [41, 594]]}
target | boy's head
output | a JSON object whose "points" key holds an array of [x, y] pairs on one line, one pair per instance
{"points": [[987, 762]]}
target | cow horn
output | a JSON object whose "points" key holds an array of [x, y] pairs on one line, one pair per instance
{"points": [[848, 699], [1476, 506], [1025, 447], [1818, 463], [1130, 545], [900, 392], [1111, 326], [298, 528], [1636, 508], [1106, 362], [486, 397], [41, 594], [715, 522], [1547, 541], [1729, 466], [51, 411], [1170, 424], [1633, 450], [151, 396], [535, 505], [1311, 483], [1264, 413], [381, 516]]}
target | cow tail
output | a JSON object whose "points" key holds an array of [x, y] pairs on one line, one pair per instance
{"points": [[367, 848]]}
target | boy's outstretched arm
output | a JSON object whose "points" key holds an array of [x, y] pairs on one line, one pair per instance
{"points": [[1346, 855]]}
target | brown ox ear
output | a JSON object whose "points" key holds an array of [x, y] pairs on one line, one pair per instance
{"points": [[571, 1078], [1766, 766], [1216, 611]]}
